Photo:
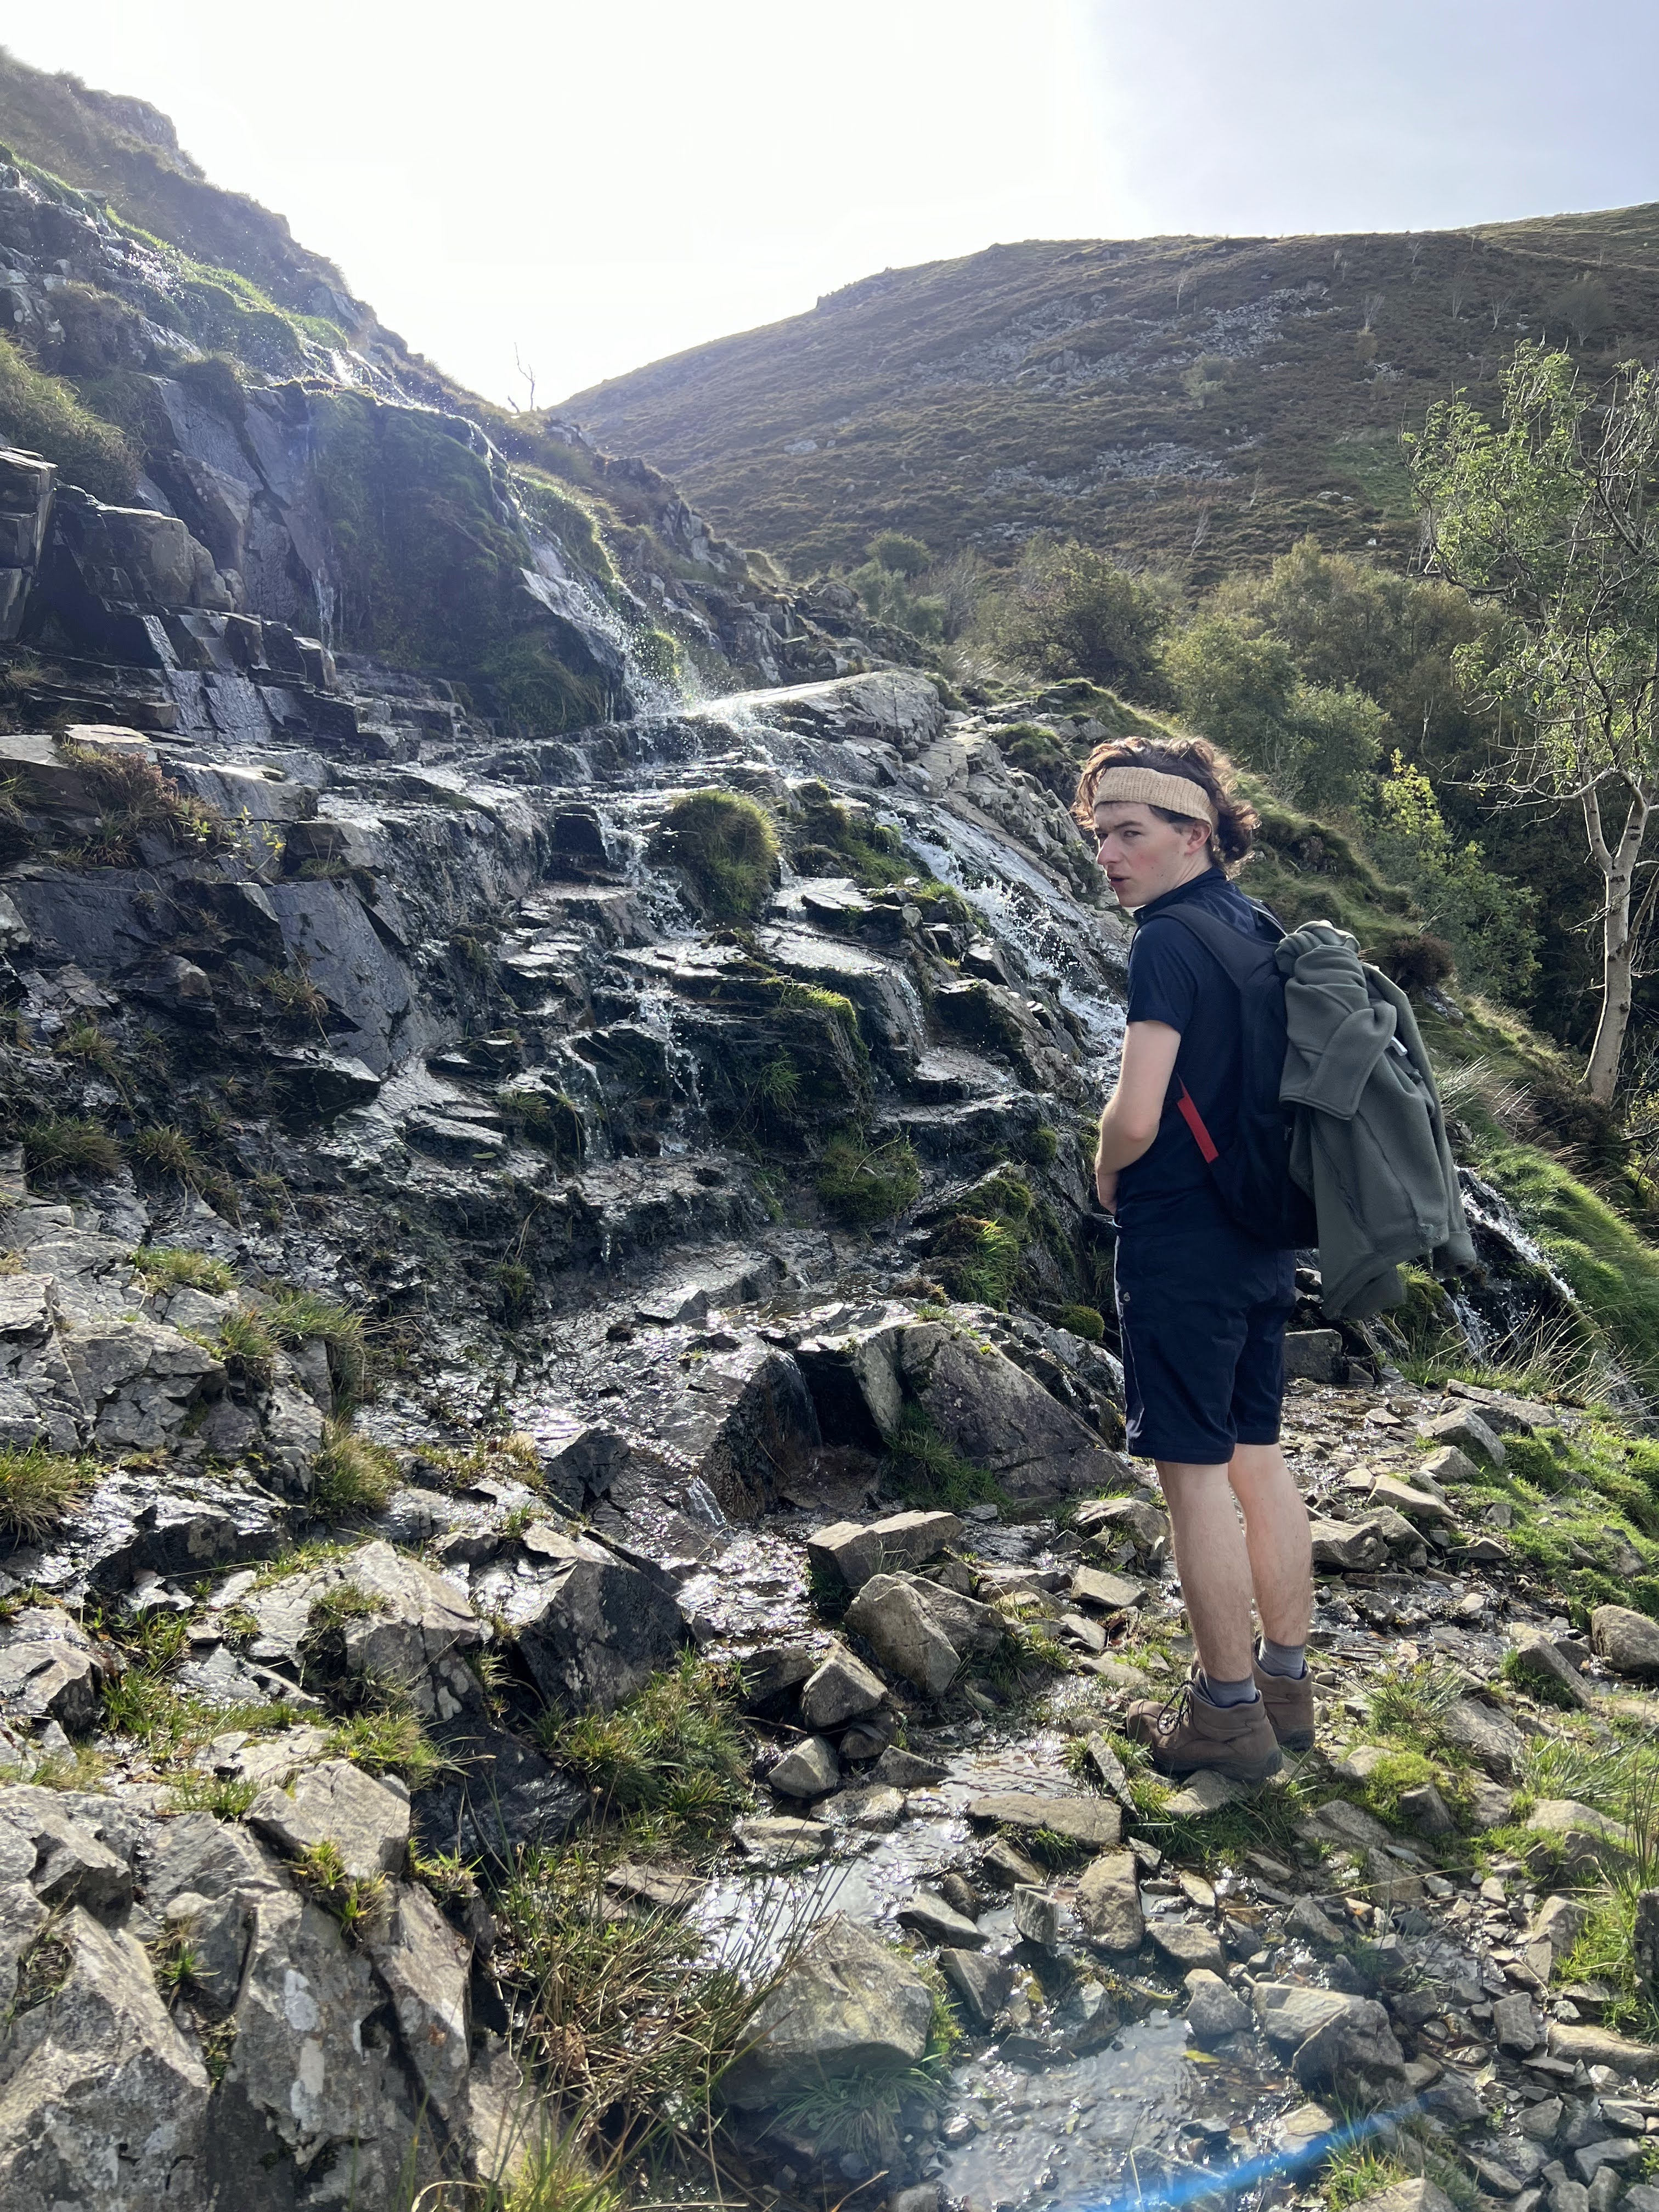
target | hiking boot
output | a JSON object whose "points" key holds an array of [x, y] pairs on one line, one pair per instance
{"points": [[1189, 1733], [1289, 1706]]}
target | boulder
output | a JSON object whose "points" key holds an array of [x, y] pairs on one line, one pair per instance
{"points": [[1406, 1498], [779, 1843], [1214, 2012], [49, 1670], [848, 2005], [907, 1770], [600, 1628], [68, 1846], [366, 1819], [1333, 2041], [998, 1417], [840, 1688], [1627, 1641], [772, 1675], [1106, 1523], [936, 1922], [980, 1983], [1315, 1354], [96, 2064], [414, 1631], [807, 1769], [305, 2077], [1037, 1916], [1487, 1736], [1600, 2046], [1516, 2025], [903, 1539], [1418, 2195], [1536, 1658], [1448, 1464], [1464, 1427], [1306, 1923], [1350, 1546], [889, 1614], [1108, 1902], [1089, 1820], [1184, 1944], [1111, 1593], [1580, 1839]]}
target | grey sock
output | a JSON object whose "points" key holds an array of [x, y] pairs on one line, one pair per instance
{"points": [[1228, 1693], [1288, 1660]]}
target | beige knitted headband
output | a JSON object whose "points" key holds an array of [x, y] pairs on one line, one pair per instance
{"points": [[1174, 793]]}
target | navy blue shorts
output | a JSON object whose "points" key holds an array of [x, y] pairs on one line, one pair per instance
{"points": [[1203, 1353]]}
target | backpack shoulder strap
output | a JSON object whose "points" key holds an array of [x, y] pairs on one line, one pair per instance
{"points": [[1241, 957]]}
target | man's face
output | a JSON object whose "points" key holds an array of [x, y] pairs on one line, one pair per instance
{"points": [[1144, 855]]}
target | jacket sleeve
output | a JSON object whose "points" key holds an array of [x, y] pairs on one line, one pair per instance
{"points": [[1458, 1250]]}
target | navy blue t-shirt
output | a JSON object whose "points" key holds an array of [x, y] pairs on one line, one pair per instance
{"points": [[1173, 979]]}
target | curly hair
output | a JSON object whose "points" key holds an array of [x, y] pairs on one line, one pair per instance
{"points": [[1199, 763]]}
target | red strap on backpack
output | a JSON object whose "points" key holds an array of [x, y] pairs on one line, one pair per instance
{"points": [[1195, 1120]]}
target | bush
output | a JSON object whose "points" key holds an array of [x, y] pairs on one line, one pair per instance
{"points": [[726, 845], [37, 1489], [905, 556], [1414, 960], [1071, 611], [864, 1184], [57, 1146], [351, 1474], [1487, 920], [1086, 1321]]}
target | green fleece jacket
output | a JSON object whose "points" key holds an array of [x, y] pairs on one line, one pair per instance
{"points": [[1370, 1143]]}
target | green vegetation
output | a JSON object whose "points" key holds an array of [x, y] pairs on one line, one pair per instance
{"points": [[43, 415], [1068, 609], [137, 801], [727, 846], [864, 1183], [548, 1120], [671, 1756], [1086, 1321], [923, 1469], [391, 1742], [977, 1246], [38, 1489], [168, 1268], [56, 1146], [296, 1317], [165, 1150], [351, 1474]]}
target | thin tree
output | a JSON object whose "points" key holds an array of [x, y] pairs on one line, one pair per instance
{"points": [[1546, 516]]}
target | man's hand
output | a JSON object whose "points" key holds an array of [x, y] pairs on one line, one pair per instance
{"points": [[1106, 1187]]}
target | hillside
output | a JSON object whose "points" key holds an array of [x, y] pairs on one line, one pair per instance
{"points": [[1208, 400]]}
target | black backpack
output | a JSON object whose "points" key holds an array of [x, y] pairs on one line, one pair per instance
{"points": [[1253, 1177]]}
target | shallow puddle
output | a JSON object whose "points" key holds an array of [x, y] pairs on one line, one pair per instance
{"points": [[1146, 2119]]}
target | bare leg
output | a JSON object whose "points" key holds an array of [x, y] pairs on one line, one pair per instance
{"points": [[1276, 1534], [1214, 1566]]}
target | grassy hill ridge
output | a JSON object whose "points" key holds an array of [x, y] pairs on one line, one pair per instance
{"points": [[1204, 400]]}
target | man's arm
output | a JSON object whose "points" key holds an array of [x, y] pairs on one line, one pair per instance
{"points": [[1131, 1120]]}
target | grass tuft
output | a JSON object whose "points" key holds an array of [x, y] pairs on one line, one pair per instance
{"points": [[38, 1489], [168, 1267], [728, 847], [864, 1183], [351, 1474], [58, 1144], [672, 1753], [923, 1469]]}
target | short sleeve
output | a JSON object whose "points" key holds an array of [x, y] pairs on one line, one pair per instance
{"points": [[1163, 975]]}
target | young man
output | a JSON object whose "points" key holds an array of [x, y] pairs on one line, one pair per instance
{"points": [[1201, 1306]]}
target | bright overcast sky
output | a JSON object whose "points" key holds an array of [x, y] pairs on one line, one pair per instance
{"points": [[598, 186]]}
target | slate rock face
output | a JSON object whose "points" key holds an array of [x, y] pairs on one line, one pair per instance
{"points": [[600, 1628]]}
